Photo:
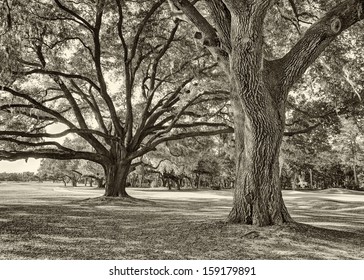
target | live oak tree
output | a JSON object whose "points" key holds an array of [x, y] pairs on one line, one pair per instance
{"points": [[104, 69], [233, 31]]}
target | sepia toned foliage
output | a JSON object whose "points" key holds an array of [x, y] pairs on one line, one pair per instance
{"points": [[119, 75], [127, 76]]}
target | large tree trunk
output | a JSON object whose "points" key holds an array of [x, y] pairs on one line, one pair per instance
{"points": [[259, 118], [258, 199], [116, 176]]}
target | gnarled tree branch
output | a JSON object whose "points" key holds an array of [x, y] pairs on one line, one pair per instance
{"points": [[317, 38]]}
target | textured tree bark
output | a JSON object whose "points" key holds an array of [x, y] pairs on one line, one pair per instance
{"points": [[116, 179], [258, 199], [259, 118]]}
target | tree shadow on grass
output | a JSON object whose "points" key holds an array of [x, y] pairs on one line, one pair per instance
{"points": [[57, 225], [329, 213], [159, 231]]}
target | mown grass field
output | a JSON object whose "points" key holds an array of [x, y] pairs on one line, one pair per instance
{"points": [[49, 221]]}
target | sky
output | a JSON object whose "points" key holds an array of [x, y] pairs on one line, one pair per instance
{"points": [[19, 166]]}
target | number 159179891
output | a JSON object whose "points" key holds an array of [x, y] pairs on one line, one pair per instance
{"points": [[228, 270]]}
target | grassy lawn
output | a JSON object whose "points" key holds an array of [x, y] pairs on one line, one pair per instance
{"points": [[48, 221]]}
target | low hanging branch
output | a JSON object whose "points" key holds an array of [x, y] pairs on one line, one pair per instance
{"points": [[51, 153], [36, 144]]}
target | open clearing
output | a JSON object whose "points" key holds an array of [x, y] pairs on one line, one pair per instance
{"points": [[49, 221]]}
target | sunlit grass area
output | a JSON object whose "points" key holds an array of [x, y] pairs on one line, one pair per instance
{"points": [[49, 221]]}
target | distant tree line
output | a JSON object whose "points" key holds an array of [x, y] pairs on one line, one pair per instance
{"points": [[17, 177]]}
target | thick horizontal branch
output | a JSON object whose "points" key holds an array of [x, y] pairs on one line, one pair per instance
{"points": [[35, 144], [199, 124], [52, 153]]}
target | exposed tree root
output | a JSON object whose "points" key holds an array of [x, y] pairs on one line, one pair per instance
{"points": [[118, 200]]}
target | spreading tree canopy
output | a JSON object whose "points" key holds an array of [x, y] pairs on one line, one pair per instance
{"points": [[118, 74]]}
